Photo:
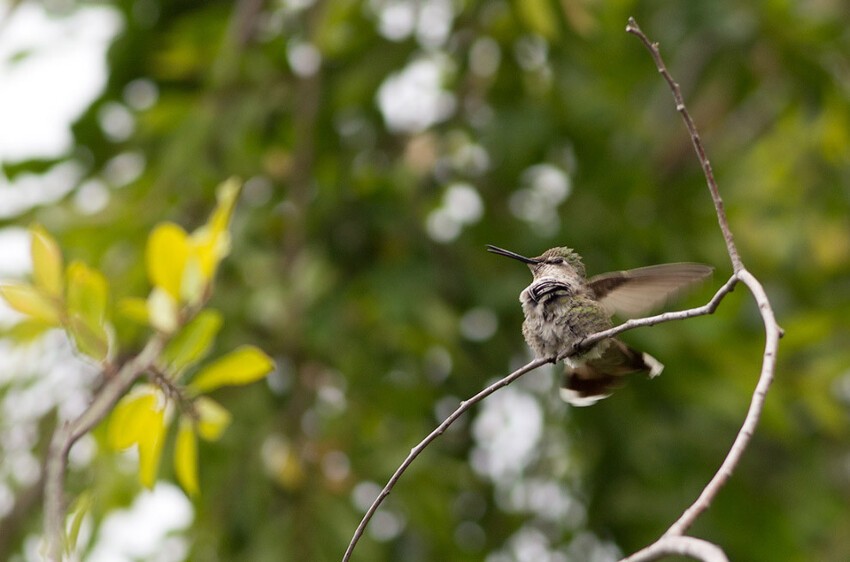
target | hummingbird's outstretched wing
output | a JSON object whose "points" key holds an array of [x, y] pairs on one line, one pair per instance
{"points": [[635, 292]]}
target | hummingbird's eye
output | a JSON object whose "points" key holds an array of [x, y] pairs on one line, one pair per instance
{"points": [[556, 260]]}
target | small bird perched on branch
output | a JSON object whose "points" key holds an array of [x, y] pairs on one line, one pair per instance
{"points": [[562, 307]]}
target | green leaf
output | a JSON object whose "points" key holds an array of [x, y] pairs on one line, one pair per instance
{"points": [[46, 262], [214, 419], [165, 257], [135, 309], [186, 456], [90, 340], [193, 342], [25, 330], [77, 512], [242, 366], [28, 300], [88, 293], [540, 16]]}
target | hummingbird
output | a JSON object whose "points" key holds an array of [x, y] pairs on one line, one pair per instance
{"points": [[562, 307]]}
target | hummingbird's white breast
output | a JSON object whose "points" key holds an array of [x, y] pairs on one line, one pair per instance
{"points": [[558, 312]]}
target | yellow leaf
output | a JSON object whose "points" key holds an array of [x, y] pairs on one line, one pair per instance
{"points": [[162, 310], [150, 447], [242, 366], [214, 419], [130, 418], [192, 342], [139, 418], [283, 463], [186, 456], [46, 262], [209, 247], [32, 302], [165, 257], [211, 242], [226, 194]]}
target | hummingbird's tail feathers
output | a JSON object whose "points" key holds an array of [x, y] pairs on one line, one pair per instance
{"points": [[587, 382], [578, 391], [655, 366]]}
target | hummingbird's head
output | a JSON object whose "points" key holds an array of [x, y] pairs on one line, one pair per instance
{"points": [[555, 262], [558, 262]]}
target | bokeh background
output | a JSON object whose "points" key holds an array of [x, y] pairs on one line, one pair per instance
{"points": [[383, 143]]}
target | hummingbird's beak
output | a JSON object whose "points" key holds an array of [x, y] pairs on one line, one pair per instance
{"points": [[509, 254]]}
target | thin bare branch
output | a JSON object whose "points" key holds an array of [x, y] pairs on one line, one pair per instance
{"points": [[634, 29], [708, 308], [772, 334], [772, 330], [69, 432], [672, 542], [683, 546], [464, 406]]}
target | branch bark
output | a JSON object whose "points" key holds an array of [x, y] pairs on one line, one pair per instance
{"points": [[773, 332], [68, 432], [464, 406], [706, 309]]}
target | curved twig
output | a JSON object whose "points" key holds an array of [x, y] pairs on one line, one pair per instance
{"points": [[706, 309], [464, 406], [731, 249], [698, 549], [673, 541], [773, 332]]}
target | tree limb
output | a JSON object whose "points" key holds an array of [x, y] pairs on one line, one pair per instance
{"points": [[634, 29], [464, 406], [772, 334], [68, 432], [708, 308], [772, 330], [673, 541]]}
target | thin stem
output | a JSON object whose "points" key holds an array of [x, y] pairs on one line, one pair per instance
{"points": [[464, 406], [634, 29], [772, 335], [70, 431], [772, 331], [708, 308]]}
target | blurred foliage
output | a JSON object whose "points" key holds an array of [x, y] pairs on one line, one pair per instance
{"points": [[385, 142]]}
